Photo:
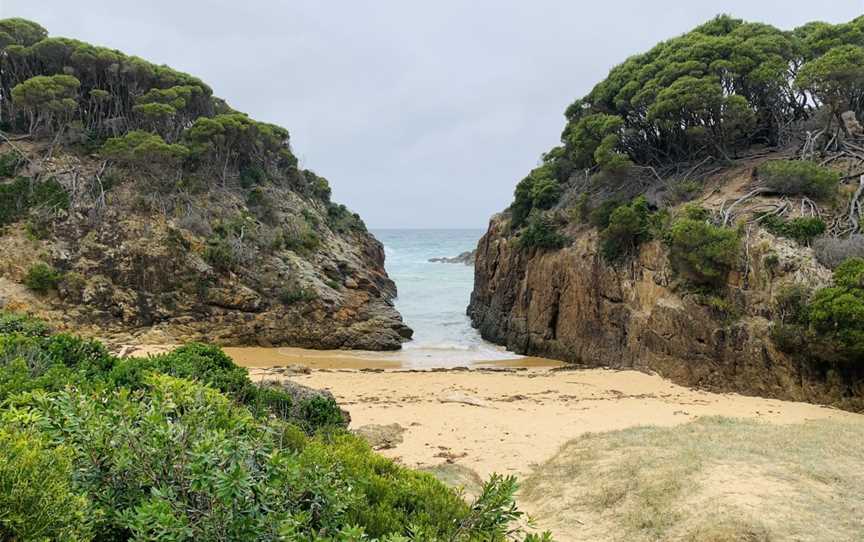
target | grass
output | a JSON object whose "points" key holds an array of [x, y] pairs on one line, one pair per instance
{"points": [[714, 480]]}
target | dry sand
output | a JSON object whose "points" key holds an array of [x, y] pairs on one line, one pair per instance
{"points": [[508, 421]]}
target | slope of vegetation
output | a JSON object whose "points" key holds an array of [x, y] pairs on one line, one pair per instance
{"points": [[722, 90], [149, 200], [183, 446]]}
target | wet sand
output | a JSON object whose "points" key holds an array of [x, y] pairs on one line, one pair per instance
{"points": [[261, 357]]}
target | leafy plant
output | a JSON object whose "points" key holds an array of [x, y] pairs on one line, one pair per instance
{"points": [[41, 278], [701, 252], [628, 228], [801, 229], [38, 498], [541, 233], [799, 177]]}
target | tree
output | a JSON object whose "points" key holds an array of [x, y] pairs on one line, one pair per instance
{"points": [[836, 78], [48, 100], [20, 32], [146, 151]]}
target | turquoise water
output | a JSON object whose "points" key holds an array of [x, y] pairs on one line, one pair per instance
{"points": [[433, 296]]}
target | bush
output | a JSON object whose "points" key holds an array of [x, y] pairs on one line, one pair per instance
{"points": [[41, 277], [23, 324], [220, 255], [628, 228], [38, 500], [541, 233], [22, 193], [701, 252], [342, 220], [296, 294], [600, 216], [799, 177], [9, 164], [801, 229], [539, 190], [836, 313], [832, 251], [114, 450]]}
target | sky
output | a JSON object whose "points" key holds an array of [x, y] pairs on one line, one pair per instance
{"points": [[420, 114]]}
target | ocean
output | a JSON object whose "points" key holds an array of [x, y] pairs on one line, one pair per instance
{"points": [[433, 297]]}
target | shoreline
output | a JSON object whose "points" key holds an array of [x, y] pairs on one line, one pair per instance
{"points": [[261, 357]]}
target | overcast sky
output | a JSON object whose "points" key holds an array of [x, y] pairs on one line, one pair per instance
{"points": [[421, 114]]}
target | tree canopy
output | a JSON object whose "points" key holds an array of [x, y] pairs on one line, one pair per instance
{"points": [[723, 87], [139, 112]]}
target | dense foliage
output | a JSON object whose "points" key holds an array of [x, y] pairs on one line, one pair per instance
{"points": [[827, 325], [799, 177], [723, 87], [836, 313], [141, 115], [183, 446], [700, 251], [802, 229], [628, 226]]}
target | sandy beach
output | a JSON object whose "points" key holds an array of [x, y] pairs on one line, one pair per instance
{"points": [[507, 421]]}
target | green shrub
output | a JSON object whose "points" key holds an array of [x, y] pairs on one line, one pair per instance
{"points": [[600, 216], [251, 176], [701, 252], [296, 294], [836, 313], [23, 324], [219, 254], [342, 220], [539, 190], [799, 177], [541, 233], [23, 193], [801, 229], [304, 241], [9, 164], [41, 277], [112, 449], [628, 228], [38, 500]]}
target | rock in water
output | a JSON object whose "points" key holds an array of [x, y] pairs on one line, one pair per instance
{"points": [[466, 258]]}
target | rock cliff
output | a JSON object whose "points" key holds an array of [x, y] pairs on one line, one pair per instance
{"points": [[277, 268], [570, 304]]}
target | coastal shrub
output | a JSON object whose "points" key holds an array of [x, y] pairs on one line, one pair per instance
{"points": [[801, 229], [118, 450], [22, 193], [799, 177], [296, 294], [31, 360], [539, 190], [220, 255], [600, 216], [541, 233], [701, 252], [628, 228], [41, 277], [38, 499], [342, 220], [9, 164], [836, 313], [302, 240], [11, 322]]}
